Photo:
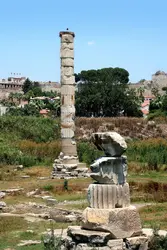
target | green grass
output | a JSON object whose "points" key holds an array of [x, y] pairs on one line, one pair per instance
{"points": [[35, 247], [68, 196], [81, 206], [13, 231], [148, 176], [154, 215]]}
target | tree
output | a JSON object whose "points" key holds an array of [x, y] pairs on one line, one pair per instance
{"points": [[155, 92], [27, 86], [104, 92]]}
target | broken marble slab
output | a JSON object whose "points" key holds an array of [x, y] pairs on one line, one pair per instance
{"points": [[110, 170], [112, 143]]}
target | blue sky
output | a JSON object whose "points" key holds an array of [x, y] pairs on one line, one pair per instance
{"points": [[131, 34]]}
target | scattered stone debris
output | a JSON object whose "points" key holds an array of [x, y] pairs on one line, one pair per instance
{"points": [[29, 243], [110, 222], [43, 178], [67, 170], [2, 195], [32, 193], [51, 202], [2, 204], [20, 167], [25, 176], [12, 191], [46, 197]]}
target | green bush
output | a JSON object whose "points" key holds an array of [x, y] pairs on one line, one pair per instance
{"points": [[155, 114], [48, 187], [38, 129], [157, 242], [12, 156], [151, 151], [87, 152]]}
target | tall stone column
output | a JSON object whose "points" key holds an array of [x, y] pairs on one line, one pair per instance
{"points": [[68, 95], [67, 165]]}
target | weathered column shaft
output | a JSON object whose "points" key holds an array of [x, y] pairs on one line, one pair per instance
{"points": [[67, 94]]}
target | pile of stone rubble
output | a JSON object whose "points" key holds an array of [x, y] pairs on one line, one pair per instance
{"points": [[110, 222], [66, 167]]}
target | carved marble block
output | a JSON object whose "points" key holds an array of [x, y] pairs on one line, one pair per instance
{"points": [[110, 170], [108, 196]]}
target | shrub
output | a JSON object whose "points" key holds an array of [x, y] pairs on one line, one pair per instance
{"points": [[32, 128], [48, 187], [157, 242], [87, 152], [12, 156], [151, 151], [52, 242], [42, 151], [65, 185], [156, 114]]}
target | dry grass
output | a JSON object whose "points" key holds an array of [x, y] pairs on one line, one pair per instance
{"points": [[148, 191], [128, 127], [41, 150], [38, 171]]}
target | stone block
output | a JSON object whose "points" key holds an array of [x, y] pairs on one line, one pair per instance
{"points": [[68, 90], [68, 147], [86, 247], [81, 165], [67, 38], [71, 167], [68, 125], [2, 204], [120, 222], [88, 236], [67, 62], [51, 202], [67, 99], [66, 71], [115, 244], [68, 80], [2, 195], [140, 242], [66, 52], [67, 46], [110, 170], [112, 143], [108, 196], [67, 113], [67, 133]]}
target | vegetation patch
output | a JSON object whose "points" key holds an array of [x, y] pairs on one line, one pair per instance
{"points": [[154, 215]]}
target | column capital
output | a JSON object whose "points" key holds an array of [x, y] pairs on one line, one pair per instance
{"points": [[61, 33]]}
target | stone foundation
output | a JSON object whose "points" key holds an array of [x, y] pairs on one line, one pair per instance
{"points": [[77, 238], [120, 222], [66, 167]]}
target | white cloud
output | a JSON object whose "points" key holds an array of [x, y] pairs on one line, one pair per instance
{"points": [[90, 43]]}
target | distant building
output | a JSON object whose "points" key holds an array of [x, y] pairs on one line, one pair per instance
{"points": [[3, 110], [15, 83], [158, 81], [145, 105], [12, 83], [50, 86], [44, 112]]}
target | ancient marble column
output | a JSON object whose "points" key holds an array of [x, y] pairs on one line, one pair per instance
{"points": [[67, 165], [67, 94]]}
